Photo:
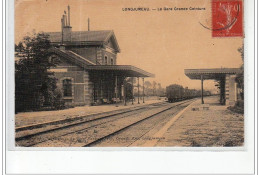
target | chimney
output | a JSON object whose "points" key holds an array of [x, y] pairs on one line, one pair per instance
{"points": [[88, 25], [68, 15], [64, 20], [65, 17], [66, 28], [62, 25]]}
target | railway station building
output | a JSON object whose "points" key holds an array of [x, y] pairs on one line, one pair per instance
{"points": [[225, 76], [87, 70]]}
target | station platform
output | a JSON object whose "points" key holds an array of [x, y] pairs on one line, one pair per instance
{"points": [[31, 118], [203, 125]]}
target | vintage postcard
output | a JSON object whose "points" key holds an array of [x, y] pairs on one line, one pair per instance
{"points": [[129, 73]]}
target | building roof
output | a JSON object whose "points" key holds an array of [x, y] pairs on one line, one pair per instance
{"points": [[71, 56], [85, 37], [90, 36], [215, 73]]}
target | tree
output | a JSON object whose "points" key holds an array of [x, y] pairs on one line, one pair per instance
{"points": [[159, 86], [240, 76], [241, 51], [154, 88], [161, 91], [35, 86], [147, 84]]}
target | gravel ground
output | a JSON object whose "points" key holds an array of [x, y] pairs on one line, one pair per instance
{"points": [[215, 127]]}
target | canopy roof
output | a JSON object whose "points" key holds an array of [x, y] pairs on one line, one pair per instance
{"points": [[120, 70], [216, 73]]}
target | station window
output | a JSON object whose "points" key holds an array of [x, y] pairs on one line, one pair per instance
{"points": [[67, 88], [112, 61], [105, 60]]}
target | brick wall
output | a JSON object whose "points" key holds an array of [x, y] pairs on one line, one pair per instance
{"points": [[80, 82], [109, 57], [96, 54], [87, 89], [230, 90], [88, 53]]}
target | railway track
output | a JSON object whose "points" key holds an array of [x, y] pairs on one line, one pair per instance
{"points": [[77, 132], [34, 130], [41, 125], [137, 130], [25, 135]]}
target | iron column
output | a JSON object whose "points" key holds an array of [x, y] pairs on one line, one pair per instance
{"points": [[132, 90], [125, 93], [138, 89], [202, 101], [101, 87], [116, 89], [143, 90]]}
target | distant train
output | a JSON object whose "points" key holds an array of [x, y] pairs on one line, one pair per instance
{"points": [[176, 92]]}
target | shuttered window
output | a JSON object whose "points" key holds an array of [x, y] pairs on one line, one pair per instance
{"points": [[105, 60], [67, 88]]}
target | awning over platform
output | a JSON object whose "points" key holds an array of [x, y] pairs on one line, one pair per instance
{"points": [[217, 73], [124, 70]]}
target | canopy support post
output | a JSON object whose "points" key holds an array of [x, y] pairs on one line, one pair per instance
{"points": [[101, 89], [132, 90], [138, 90], [116, 90], [202, 101], [94, 93], [143, 90], [124, 90]]}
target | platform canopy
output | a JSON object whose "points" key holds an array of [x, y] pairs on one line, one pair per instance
{"points": [[124, 70], [216, 73], [120, 70]]}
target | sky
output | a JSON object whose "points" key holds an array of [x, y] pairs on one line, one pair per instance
{"points": [[161, 42]]}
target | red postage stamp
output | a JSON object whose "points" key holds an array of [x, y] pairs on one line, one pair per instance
{"points": [[227, 18]]}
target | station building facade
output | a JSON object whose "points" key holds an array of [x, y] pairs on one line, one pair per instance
{"points": [[87, 70]]}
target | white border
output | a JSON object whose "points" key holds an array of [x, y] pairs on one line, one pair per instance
{"points": [[2, 87], [192, 161]]}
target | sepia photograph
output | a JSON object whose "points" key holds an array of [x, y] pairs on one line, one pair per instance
{"points": [[129, 73]]}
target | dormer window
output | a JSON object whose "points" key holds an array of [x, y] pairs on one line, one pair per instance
{"points": [[105, 60]]}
